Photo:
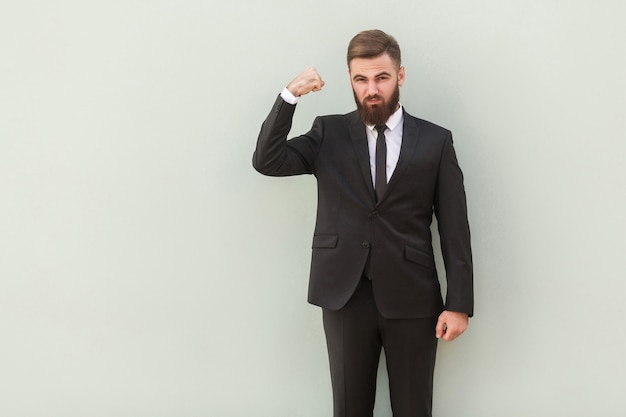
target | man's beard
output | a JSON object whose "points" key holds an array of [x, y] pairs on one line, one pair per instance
{"points": [[377, 114]]}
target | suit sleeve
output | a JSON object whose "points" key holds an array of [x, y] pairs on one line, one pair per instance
{"points": [[277, 156], [451, 211]]}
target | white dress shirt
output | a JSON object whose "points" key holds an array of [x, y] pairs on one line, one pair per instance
{"points": [[393, 139]]}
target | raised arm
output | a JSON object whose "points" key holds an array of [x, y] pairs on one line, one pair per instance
{"points": [[274, 154]]}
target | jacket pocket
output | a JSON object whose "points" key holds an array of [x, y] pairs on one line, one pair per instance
{"points": [[325, 241], [419, 257]]}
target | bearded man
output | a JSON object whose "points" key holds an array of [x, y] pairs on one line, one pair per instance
{"points": [[381, 175]]}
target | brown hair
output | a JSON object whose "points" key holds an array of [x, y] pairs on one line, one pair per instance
{"points": [[373, 43]]}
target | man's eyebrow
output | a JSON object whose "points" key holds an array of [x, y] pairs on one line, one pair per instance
{"points": [[355, 76]]}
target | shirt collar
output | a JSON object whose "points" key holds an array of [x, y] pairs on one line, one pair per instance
{"points": [[394, 120]]}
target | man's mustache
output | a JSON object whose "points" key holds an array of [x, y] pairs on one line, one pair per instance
{"points": [[374, 97]]}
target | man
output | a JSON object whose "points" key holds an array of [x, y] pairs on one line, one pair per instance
{"points": [[381, 173]]}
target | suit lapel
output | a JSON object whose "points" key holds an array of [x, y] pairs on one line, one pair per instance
{"points": [[409, 144], [359, 144]]}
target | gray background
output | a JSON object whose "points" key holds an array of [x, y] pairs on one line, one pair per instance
{"points": [[147, 270]]}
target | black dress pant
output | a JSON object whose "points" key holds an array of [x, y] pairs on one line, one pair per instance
{"points": [[355, 335]]}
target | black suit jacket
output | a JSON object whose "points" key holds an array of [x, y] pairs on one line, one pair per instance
{"points": [[393, 234]]}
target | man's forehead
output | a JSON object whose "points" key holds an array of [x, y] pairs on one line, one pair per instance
{"points": [[372, 66]]}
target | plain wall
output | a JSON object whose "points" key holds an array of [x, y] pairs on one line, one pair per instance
{"points": [[147, 270]]}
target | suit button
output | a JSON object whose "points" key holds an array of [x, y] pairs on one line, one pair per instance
{"points": [[375, 214], [366, 245]]}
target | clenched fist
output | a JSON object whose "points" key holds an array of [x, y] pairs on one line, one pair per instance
{"points": [[307, 81], [450, 325]]}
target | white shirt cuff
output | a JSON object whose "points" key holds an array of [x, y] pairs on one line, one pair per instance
{"points": [[288, 97]]}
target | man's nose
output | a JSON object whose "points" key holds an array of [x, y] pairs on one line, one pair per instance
{"points": [[372, 88]]}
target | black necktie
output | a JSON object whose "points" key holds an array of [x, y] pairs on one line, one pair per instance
{"points": [[381, 163]]}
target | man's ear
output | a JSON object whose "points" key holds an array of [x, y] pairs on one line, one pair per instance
{"points": [[401, 76]]}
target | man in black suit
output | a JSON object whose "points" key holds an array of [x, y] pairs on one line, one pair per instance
{"points": [[381, 174]]}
